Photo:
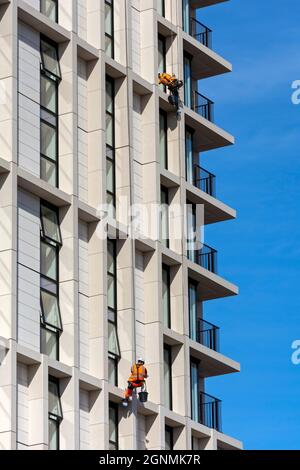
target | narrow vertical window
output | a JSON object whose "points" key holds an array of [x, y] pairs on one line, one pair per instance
{"points": [[162, 55], [166, 297], [110, 146], [189, 166], [161, 8], [54, 413], [163, 139], [113, 427], [193, 311], [169, 438], [168, 376], [188, 81], [49, 8], [186, 16], [164, 200], [191, 231], [49, 81], [109, 28], [51, 324], [195, 390], [113, 342]]}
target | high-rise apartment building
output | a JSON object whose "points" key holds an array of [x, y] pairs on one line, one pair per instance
{"points": [[83, 123]]}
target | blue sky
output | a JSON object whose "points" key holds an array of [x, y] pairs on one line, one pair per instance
{"points": [[260, 251]]}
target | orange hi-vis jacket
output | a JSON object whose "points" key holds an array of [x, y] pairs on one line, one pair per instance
{"points": [[138, 372], [167, 79]]}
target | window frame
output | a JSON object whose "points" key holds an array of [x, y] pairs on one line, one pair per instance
{"points": [[56, 10], [192, 284], [188, 98], [163, 10], [51, 416], [166, 268], [114, 407], [111, 159], [55, 282], [191, 132], [55, 80], [165, 191], [111, 37], [170, 430], [43, 234], [163, 115], [114, 311], [195, 362], [168, 349], [46, 40]]}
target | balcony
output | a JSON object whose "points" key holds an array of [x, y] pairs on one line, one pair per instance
{"points": [[206, 257], [203, 106], [208, 335], [204, 180], [201, 33], [209, 411]]}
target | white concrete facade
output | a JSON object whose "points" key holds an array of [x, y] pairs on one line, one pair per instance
{"points": [[82, 369]]}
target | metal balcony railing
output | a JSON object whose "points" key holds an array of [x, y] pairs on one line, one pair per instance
{"points": [[209, 411], [201, 32], [203, 106], [208, 335], [204, 180], [205, 257]]}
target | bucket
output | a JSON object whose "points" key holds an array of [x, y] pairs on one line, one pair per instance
{"points": [[143, 396]]}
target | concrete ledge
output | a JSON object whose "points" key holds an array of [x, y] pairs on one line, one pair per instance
{"points": [[212, 363], [174, 419], [168, 179], [114, 69], [225, 442], [42, 189], [41, 23], [208, 136], [4, 166], [211, 286], [214, 210], [205, 3], [88, 382], [206, 63], [169, 257], [86, 51]]}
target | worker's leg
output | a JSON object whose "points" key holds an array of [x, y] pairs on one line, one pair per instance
{"points": [[128, 391]]}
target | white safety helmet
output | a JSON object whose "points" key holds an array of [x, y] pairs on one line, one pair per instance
{"points": [[140, 359]]}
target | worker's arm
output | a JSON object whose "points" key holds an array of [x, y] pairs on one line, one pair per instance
{"points": [[146, 373]]}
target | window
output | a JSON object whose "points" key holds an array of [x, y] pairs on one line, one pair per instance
{"points": [[168, 376], [161, 7], [113, 427], [195, 390], [50, 226], [164, 200], [110, 146], [186, 16], [188, 80], [50, 9], [50, 77], [193, 314], [191, 231], [163, 139], [166, 299], [109, 28], [49, 56], [54, 413], [169, 438], [162, 56], [51, 324], [113, 342], [189, 166]]}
